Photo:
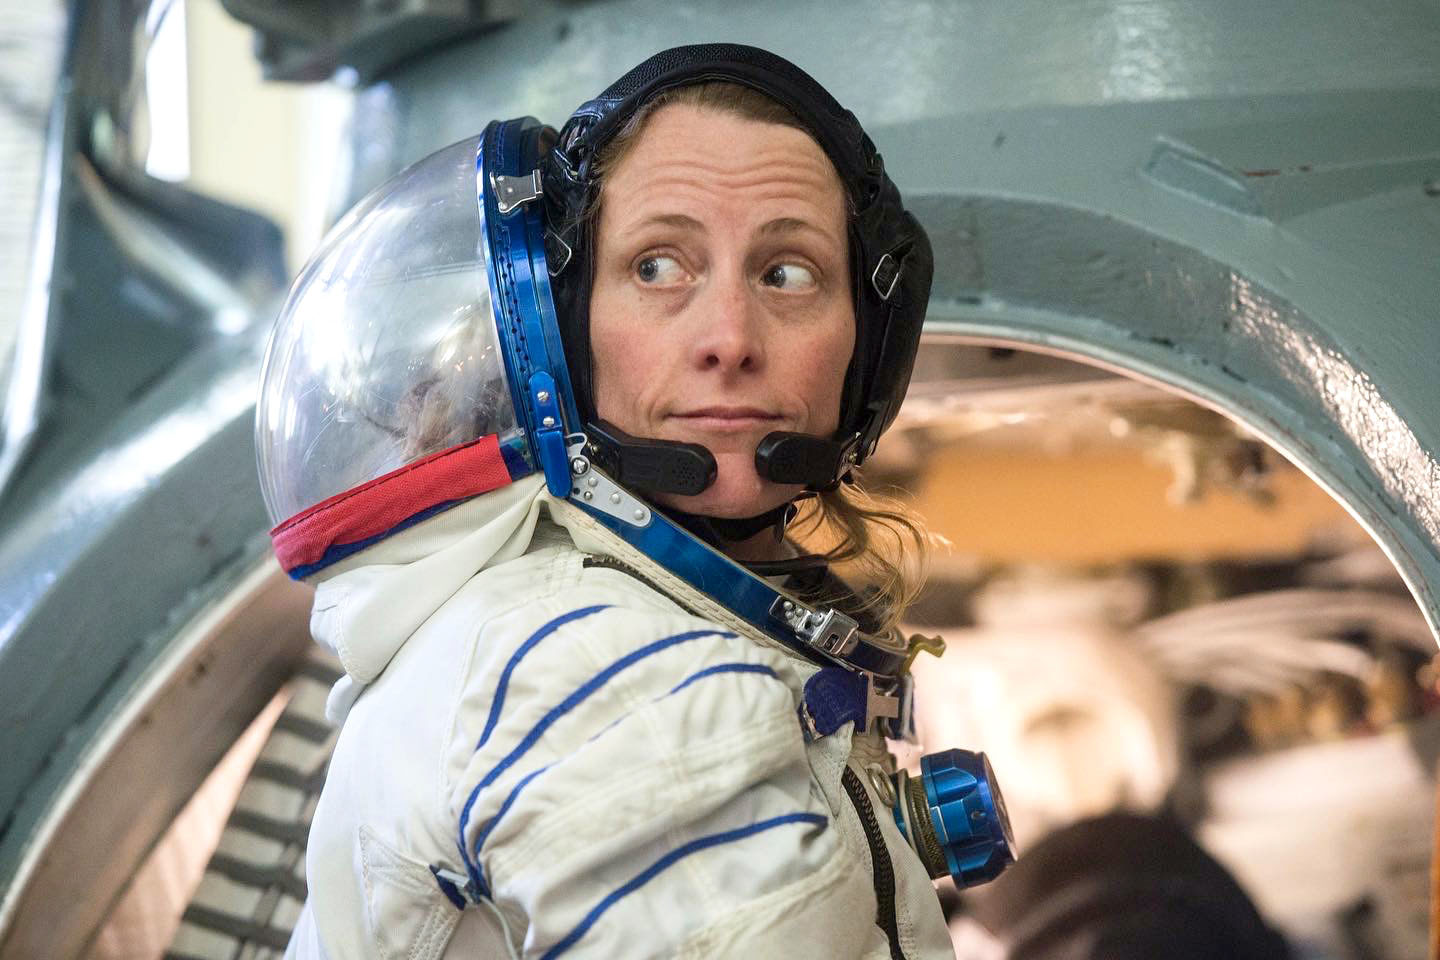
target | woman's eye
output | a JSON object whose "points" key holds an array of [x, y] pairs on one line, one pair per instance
{"points": [[659, 270], [788, 276]]}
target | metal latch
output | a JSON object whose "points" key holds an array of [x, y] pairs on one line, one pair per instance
{"points": [[513, 192], [881, 706], [593, 489], [828, 630]]}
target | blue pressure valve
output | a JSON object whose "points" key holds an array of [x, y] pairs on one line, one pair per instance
{"points": [[954, 818]]}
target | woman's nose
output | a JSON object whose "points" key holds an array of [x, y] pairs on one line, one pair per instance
{"points": [[728, 329]]}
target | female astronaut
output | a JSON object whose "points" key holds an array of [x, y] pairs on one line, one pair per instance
{"points": [[566, 728]]}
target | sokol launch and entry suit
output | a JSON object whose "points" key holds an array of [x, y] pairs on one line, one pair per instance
{"points": [[553, 739]]}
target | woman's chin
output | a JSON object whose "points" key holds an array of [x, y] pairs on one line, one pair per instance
{"points": [[738, 491]]}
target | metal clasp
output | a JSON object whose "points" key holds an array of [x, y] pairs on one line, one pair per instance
{"points": [[829, 631], [592, 488], [883, 278], [557, 253], [513, 192], [881, 706]]}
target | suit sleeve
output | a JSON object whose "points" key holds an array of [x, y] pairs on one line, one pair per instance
{"points": [[636, 784]]}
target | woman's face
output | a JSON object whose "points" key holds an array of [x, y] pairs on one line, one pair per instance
{"points": [[721, 306]]}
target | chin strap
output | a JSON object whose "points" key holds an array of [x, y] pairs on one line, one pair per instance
{"points": [[807, 572], [718, 531]]}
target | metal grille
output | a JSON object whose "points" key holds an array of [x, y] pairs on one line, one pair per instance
{"points": [[254, 885]]}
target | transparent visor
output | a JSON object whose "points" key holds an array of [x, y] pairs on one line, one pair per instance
{"points": [[386, 350]]}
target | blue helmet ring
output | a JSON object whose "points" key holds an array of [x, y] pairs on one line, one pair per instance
{"points": [[512, 224]]}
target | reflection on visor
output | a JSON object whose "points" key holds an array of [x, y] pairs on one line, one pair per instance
{"points": [[386, 351]]}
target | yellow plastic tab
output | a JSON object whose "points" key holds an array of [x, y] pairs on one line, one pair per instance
{"points": [[919, 643]]}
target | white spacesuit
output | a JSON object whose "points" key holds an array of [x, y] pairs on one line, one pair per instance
{"points": [[633, 775], [568, 725]]}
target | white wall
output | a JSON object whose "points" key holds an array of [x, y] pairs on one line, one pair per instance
{"points": [[271, 147]]}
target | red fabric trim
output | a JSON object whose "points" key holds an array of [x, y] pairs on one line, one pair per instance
{"points": [[387, 501]]}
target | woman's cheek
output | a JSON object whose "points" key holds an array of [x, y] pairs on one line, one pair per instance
{"points": [[823, 374]]}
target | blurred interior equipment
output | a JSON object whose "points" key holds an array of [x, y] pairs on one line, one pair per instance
{"points": [[1117, 887]]}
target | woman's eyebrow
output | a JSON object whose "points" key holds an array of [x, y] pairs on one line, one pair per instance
{"points": [[781, 225], [678, 221]]}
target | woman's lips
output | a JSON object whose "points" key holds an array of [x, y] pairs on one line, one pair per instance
{"points": [[727, 419]]}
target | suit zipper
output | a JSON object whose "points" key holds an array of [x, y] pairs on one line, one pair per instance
{"points": [[880, 864], [610, 563]]}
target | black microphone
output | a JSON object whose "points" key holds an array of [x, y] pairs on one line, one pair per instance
{"points": [[656, 466], [816, 462]]}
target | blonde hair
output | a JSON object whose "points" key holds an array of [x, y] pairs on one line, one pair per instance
{"points": [[877, 538], [873, 537]]}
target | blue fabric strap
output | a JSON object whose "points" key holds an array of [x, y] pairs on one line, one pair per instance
{"points": [[451, 885], [833, 697]]}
